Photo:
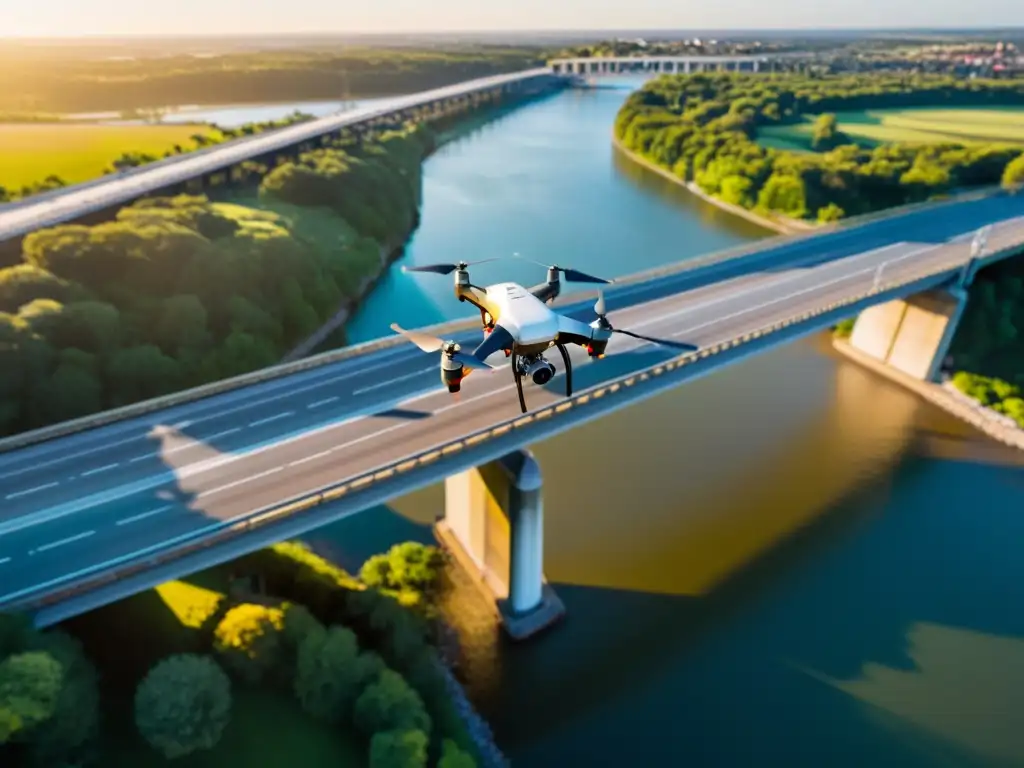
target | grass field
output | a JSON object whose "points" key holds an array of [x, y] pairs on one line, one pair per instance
{"points": [[267, 729], [913, 126], [29, 152]]}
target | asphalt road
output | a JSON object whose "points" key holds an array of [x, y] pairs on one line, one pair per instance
{"points": [[72, 202], [92, 497]]}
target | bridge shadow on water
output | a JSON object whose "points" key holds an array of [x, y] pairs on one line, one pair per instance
{"points": [[888, 631]]}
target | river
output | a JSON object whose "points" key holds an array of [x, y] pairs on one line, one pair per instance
{"points": [[794, 563]]}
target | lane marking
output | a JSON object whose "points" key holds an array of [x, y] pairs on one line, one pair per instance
{"points": [[815, 287], [201, 440], [28, 491], [311, 458], [143, 515], [275, 417], [193, 443], [389, 382], [62, 542], [107, 468], [244, 480], [319, 403], [4, 560]]}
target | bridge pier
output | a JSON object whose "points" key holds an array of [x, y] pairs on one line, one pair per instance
{"points": [[494, 527], [912, 335]]}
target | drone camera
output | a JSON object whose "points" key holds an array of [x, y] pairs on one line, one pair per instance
{"points": [[539, 370]]}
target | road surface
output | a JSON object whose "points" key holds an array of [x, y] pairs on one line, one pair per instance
{"points": [[93, 497]]}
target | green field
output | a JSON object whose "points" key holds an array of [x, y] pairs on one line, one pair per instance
{"points": [[912, 126], [29, 152], [267, 729]]}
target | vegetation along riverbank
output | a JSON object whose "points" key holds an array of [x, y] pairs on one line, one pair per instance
{"points": [[706, 129], [277, 657], [180, 291]]}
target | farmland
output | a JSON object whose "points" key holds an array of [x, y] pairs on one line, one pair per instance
{"points": [[912, 126], [75, 152]]}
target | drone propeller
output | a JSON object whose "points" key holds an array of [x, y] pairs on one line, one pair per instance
{"points": [[572, 275], [446, 269], [600, 309], [430, 343]]}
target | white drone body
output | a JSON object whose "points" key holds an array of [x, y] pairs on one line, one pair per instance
{"points": [[520, 322]]}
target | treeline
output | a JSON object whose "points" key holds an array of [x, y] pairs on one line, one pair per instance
{"points": [[704, 127], [130, 159], [181, 291], [357, 655], [34, 82], [988, 348]]}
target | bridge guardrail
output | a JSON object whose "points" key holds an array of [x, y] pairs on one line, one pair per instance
{"points": [[159, 554], [329, 357]]}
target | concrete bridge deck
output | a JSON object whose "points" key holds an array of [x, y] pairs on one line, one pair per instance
{"points": [[117, 503]]}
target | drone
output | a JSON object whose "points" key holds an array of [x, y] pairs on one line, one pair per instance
{"points": [[519, 322]]}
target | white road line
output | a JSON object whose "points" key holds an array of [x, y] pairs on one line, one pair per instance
{"points": [[238, 482], [319, 403], [38, 488], [314, 457], [815, 287], [107, 468], [143, 515], [201, 440], [269, 419], [62, 542], [4, 560], [389, 382]]}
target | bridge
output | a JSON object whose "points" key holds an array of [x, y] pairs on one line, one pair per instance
{"points": [[193, 171], [604, 66], [109, 505]]}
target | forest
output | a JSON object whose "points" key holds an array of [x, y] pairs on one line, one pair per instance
{"points": [[704, 129], [209, 671], [47, 80], [179, 291]]}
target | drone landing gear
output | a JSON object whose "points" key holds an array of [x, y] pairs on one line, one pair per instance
{"points": [[568, 369], [518, 378]]}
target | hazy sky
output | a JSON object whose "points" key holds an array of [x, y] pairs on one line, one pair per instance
{"points": [[117, 17]]}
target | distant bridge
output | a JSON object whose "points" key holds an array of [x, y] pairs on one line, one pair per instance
{"points": [[653, 65]]}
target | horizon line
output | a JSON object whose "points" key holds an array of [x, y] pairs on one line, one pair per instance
{"points": [[541, 31]]}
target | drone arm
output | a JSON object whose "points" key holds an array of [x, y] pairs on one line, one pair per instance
{"points": [[497, 339]]}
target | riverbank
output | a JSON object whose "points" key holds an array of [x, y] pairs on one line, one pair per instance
{"points": [[780, 224], [944, 396]]}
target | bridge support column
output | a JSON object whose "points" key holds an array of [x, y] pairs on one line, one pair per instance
{"points": [[494, 528], [912, 335]]}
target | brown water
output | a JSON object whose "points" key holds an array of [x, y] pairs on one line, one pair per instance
{"points": [[791, 562]]}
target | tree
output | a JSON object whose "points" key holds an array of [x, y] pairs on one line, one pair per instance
{"points": [[141, 372], [453, 757], [331, 673], [1013, 174], [29, 688], [390, 703], [183, 705], [24, 283], [398, 749], [249, 642], [409, 565]]}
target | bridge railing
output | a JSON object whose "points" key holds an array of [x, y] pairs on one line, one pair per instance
{"points": [[1004, 242], [566, 303]]}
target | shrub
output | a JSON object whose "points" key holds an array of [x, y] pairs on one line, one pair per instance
{"points": [[74, 726], [249, 641], [30, 685], [331, 673], [409, 565], [453, 757], [844, 328], [183, 705], [390, 704], [398, 749]]}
